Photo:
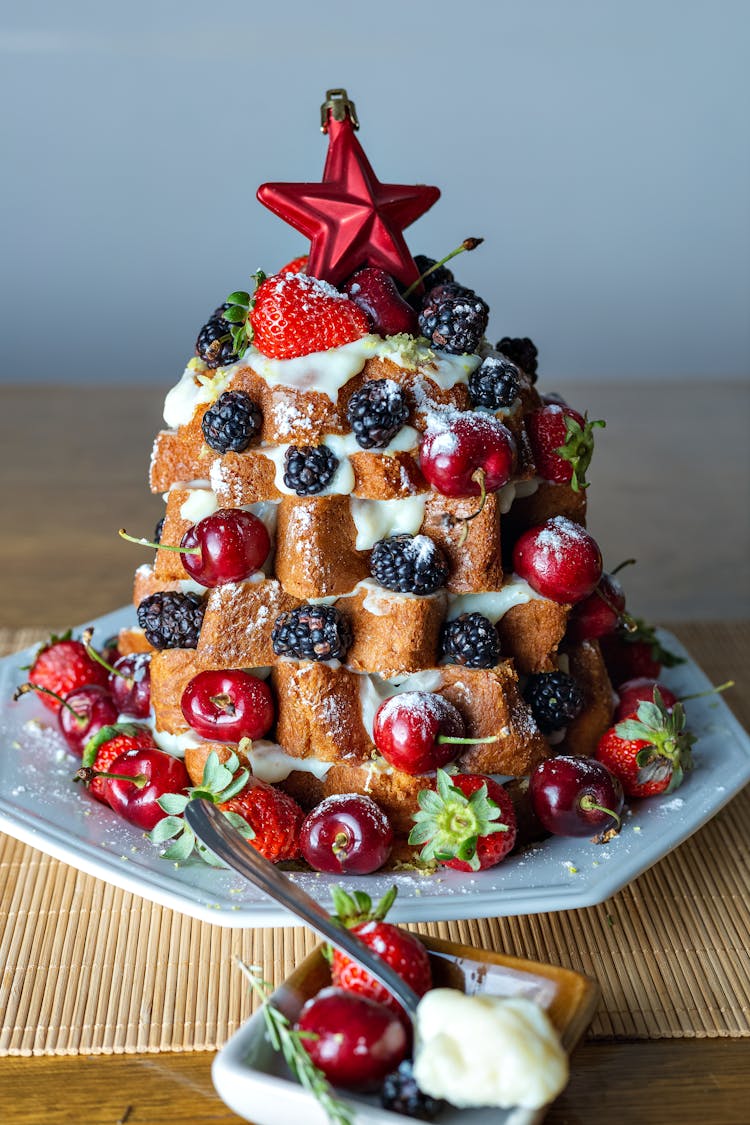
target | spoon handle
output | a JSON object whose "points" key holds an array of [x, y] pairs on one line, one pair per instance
{"points": [[213, 828]]}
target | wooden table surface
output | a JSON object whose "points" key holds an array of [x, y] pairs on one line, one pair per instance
{"points": [[670, 487]]}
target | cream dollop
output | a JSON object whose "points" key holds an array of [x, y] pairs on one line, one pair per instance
{"points": [[487, 1051]]}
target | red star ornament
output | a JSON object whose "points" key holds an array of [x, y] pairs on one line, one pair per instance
{"points": [[351, 219]]}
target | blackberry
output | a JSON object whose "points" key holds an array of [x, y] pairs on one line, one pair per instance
{"points": [[554, 698], [441, 276], [521, 351], [495, 383], [411, 564], [312, 632], [400, 1094], [232, 422], [376, 413], [171, 620], [214, 344], [453, 318], [158, 530], [472, 640], [309, 469]]}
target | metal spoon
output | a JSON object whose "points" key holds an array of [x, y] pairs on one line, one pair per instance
{"points": [[213, 828]]}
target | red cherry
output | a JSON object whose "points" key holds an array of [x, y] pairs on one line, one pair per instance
{"points": [[356, 1041], [154, 773], [233, 545], [226, 706], [599, 613], [84, 712], [626, 659], [346, 833], [130, 684], [474, 453], [636, 691], [576, 796], [558, 559], [375, 292], [416, 731]]}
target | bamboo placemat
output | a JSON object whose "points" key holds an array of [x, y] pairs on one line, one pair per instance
{"points": [[87, 968]]}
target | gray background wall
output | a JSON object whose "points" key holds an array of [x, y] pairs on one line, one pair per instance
{"points": [[601, 148]]}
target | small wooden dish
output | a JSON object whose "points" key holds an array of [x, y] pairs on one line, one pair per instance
{"points": [[253, 1081]]}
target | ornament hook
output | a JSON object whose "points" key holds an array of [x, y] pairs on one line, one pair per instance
{"points": [[339, 104]]}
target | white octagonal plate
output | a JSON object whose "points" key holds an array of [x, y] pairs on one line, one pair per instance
{"points": [[40, 805]]}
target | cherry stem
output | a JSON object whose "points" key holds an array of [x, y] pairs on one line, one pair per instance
{"points": [[97, 656], [468, 741], [87, 775], [24, 689], [711, 691], [479, 477], [340, 845], [223, 702], [628, 621], [622, 565], [588, 804], [158, 546], [467, 244]]}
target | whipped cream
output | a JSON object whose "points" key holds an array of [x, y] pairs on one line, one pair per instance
{"points": [[487, 1051], [493, 604], [374, 690], [342, 446], [379, 519], [270, 763], [197, 385]]}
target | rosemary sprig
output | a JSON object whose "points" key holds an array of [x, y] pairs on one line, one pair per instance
{"points": [[284, 1038]]}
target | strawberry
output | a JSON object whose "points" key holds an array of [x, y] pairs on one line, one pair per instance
{"points": [[401, 950], [650, 750], [267, 817], [562, 441], [61, 666], [635, 652], [106, 745], [294, 315], [297, 265], [467, 822]]}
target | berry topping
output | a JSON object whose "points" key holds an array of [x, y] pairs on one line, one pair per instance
{"points": [[297, 265], [467, 822], [403, 951], [308, 469], [137, 780], [375, 292], [225, 706], [599, 613], [232, 422], [106, 745], [495, 383], [171, 619], [453, 319], [559, 560], [410, 564], [61, 665], [562, 441], [214, 344], [635, 650], [376, 412], [633, 692], [268, 818], [419, 731], [130, 684], [470, 639], [227, 546], [354, 1041], [650, 750], [346, 833], [295, 315], [521, 351], [439, 275], [474, 453], [576, 796], [400, 1094], [312, 632], [554, 698]]}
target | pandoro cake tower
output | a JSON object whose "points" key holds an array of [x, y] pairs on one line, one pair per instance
{"points": [[391, 508]]}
